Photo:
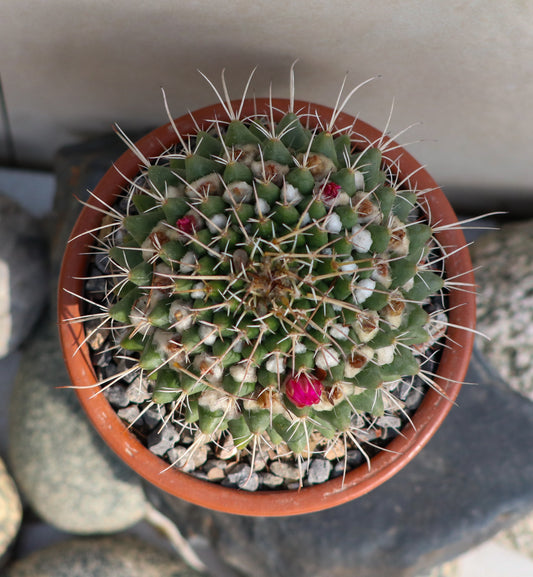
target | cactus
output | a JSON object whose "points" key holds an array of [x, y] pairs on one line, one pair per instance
{"points": [[270, 279]]}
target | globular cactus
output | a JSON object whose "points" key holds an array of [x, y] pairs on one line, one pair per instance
{"points": [[270, 277]]}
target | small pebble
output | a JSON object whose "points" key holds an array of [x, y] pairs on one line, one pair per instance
{"points": [[101, 261], [153, 416], [389, 421], [188, 462], [129, 414], [104, 359], [214, 464], [96, 337], [228, 449], [162, 440], [335, 451], [216, 474], [95, 285], [137, 392], [319, 471], [116, 395], [239, 473], [242, 476], [355, 458], [284, 470], [260, 462], [270, 480], [413, 399]]}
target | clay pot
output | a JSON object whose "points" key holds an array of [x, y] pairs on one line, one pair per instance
{"points": [[426, 420]]}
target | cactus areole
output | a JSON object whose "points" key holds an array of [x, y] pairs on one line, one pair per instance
{"points": [[271, 263]]}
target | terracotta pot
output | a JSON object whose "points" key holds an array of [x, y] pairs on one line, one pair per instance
{"points": [[426, 420]]}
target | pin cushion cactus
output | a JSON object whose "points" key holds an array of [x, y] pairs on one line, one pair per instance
{"points": [[269, 276]]}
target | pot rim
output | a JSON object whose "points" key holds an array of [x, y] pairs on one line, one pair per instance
{"points": [[425, 421]]}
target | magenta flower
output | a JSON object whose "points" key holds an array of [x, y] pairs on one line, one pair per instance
{"points": [[303, 390], [330, 191], [186, 224]]}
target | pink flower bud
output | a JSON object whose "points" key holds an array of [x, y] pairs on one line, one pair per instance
{"points": [[303, 390], [331, 191], [186, 224]]}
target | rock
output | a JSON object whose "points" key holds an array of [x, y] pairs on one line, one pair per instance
{"points": [[451, 569], [505, 302], [118, 556], [186, 460], [10, 510], [116, 395], [519, 537], [285, 470], [162, 440], [470, 481], [270, 480], [23, 274], [62, 467], [129, 414], [319, 471], [137, 392], [242, 476]]}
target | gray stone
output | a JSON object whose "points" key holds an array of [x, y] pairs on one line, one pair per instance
{"points": [[137, 391], [504, 259], [319, 471], [116, 395], [270, 480], [285, 470], [187, 461], [10, 510], [242, 476], [62, 467], [129, 414], [23, 274], [118, 556], [153, 416], [472, 480], [162, 440], [519, 537]]}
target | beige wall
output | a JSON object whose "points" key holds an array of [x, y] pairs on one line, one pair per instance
{"points": [[463, 69]]}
